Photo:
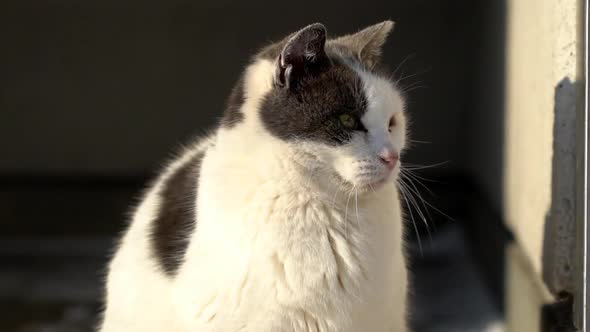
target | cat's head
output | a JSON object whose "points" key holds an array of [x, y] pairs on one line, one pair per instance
{"points": [[324, 99]]}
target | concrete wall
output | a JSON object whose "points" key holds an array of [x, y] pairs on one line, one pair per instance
{"points": [[541, 71], [525, 293], [524, 156]]}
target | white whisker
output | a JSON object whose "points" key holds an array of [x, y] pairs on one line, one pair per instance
{"points": [[419, 141], [416, 167], [412, 217], [401, 64], [434, 208], [417, 207], [356, 201], [416, 176], [346, 215], [337, 192], [373, 189], [412, 178]]}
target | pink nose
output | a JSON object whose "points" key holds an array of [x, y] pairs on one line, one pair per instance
{"points": [[389, 158]]}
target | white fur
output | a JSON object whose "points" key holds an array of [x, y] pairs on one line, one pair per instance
{"points": [[282, 241]]}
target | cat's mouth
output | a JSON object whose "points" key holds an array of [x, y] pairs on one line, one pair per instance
{"points": [[374, 182], [382, 181], [367, 179]]}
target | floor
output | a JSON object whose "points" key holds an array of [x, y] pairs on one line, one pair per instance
{"points": [[51, 281], [449, 295]]}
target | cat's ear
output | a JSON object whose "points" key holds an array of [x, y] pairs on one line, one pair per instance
{"points": [[366, 45], [303, 56]]}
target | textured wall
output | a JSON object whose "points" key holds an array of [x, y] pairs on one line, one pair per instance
{"points": [[525, 293], [533, 184], [529, 122], [523, 135], [558, 258], [540, 133]]}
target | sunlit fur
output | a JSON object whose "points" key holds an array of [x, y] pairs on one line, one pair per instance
{"points": [[358, 161], [291, 236]]}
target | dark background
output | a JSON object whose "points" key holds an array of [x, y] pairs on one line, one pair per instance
{"points": [[96, 95]]}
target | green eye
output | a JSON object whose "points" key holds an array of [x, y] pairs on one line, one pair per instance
{"points": [[348, 121]]}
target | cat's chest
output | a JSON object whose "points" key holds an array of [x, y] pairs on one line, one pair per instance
{"points": [[299, 224], [292, 249], [299, 241]]}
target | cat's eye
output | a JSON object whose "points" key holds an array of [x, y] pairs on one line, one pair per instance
{"points": [[348, 121], [392, 123]]}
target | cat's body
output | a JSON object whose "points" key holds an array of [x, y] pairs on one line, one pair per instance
{"points": [[257, 227]]}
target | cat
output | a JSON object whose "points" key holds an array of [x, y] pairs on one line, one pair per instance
{"points": [[287, 217]]}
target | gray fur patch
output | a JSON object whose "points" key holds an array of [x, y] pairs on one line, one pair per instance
{"points": [[314, 85], [176, 218], [312, 111]]}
